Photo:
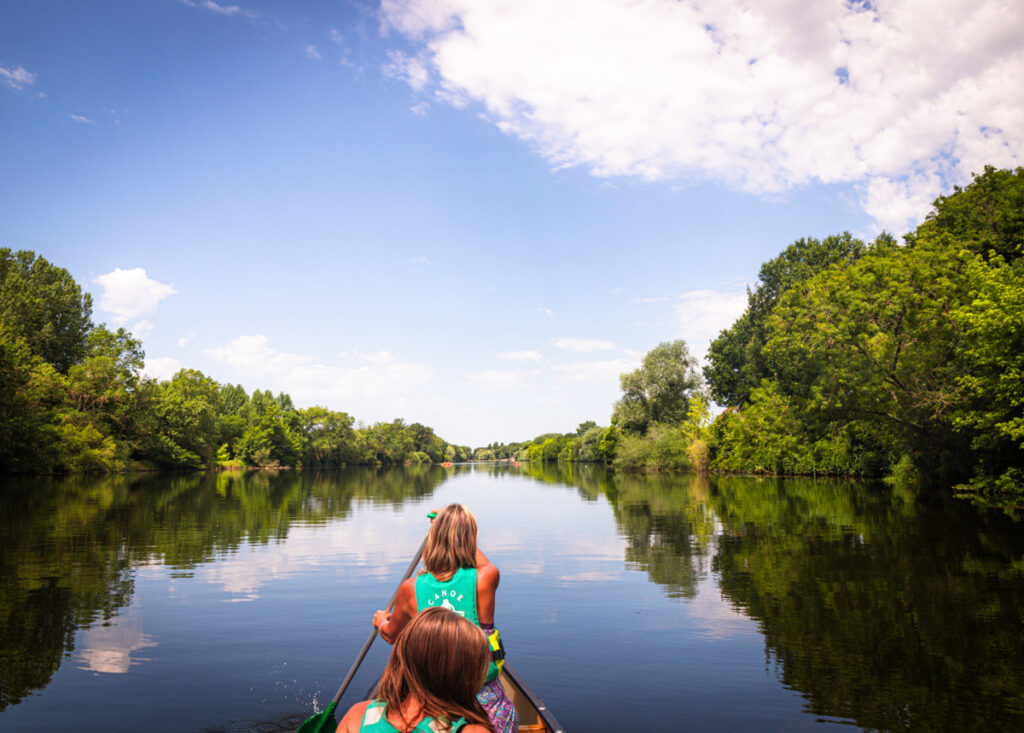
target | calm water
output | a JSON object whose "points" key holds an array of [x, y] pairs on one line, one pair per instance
{"points": [[237, 602]]}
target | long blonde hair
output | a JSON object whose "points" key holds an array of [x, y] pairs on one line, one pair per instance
{"points": [[451, 542], [440, 659]]}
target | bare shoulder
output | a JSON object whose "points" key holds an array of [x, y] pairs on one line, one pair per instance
{"points": [[473, 728], [353, 718], [488, 575]]}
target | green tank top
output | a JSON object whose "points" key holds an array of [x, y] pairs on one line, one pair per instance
{"points": [[457, 594], [375, 721]]}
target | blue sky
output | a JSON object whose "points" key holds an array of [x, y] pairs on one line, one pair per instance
{"points": [[474, 214]]}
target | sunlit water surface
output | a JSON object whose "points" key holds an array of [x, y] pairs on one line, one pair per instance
{"points": [[238, 601]]}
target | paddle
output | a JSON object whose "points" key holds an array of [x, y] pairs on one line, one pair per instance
{"points": [[324, 722]]}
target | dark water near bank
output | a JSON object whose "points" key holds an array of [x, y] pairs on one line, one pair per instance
{"points": [[237, 602]]}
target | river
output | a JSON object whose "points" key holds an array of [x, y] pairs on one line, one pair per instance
{"points": [[237, 601]]}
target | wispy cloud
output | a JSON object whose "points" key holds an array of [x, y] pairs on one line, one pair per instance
{"points": [[220, 9], [527, 355], [16, 78], [311, 381], [336, 37], [311, 52], [79, 118], [161, 367], [415, 261], [899, 98], [500, 380], [131, 294], [547, 312], [702, 314], [581, 345], [596, 371], [407, 68]]}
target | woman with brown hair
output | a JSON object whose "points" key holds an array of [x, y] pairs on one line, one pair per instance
{"points": [[430, 682], [458, 577]]}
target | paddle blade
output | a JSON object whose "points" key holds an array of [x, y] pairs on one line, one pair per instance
{"points": [[320, 723]]}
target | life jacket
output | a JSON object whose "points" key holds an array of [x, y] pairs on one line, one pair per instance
{"points": [[459, 595], [376, 721]]}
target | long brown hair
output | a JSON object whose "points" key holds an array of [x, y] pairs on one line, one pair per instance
{"points": [[441, 660], [451, 542]]}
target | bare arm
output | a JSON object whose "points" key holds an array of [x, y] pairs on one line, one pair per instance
{"points": [[391, 624], [487, 579]]}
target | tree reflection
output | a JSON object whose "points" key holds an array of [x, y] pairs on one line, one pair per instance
{"points": [[894, 612], [70, 545]]}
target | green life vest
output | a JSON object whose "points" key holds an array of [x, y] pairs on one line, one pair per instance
{"points": [[376, 721], [459, 595]]}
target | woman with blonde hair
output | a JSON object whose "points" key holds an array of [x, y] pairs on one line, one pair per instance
{"points": [[458, 577], [430, 682]]}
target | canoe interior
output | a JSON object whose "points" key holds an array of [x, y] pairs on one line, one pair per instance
{"points": [[534, 715]]}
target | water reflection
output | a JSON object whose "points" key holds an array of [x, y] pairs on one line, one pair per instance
{"points": [[72, 546], [108, 647], [881, 608], [885, 608]]}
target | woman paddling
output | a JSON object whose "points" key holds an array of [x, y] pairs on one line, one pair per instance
{"points": [[458, 577], [430, 682]]}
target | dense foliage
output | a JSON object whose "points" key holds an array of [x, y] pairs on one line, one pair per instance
{"points": [[903, 358], [73, 399]]}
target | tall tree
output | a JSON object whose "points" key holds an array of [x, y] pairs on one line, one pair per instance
{"points": [[43, 305], [660, 390], [736, 364]]}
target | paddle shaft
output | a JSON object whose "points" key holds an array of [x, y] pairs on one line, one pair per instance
{"points": [[373, 635]]}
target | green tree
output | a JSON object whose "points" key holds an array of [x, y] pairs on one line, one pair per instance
{"points": [[986, 217], [993, 319], [43, 305], [184, 434], [660, 390], [735, 362]]}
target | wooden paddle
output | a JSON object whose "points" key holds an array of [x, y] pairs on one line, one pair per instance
{"points": [[324, 722]]}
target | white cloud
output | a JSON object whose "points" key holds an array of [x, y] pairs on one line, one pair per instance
{"points": [[596, 371], [161, 367], [186, 339], [408, 69], [703, 314], [311, 382], [420, 108], [311, 52], [131, 293], [526, 355], [220, 9], [416, 261], [500, 380], [142, 328], [17, 78], [79, 118], [901, 98], [581, 345], [335, 37], [547, 312]]}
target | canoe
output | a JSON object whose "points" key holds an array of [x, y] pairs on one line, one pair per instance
{"points": [[533, 713], [534, 716]]}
